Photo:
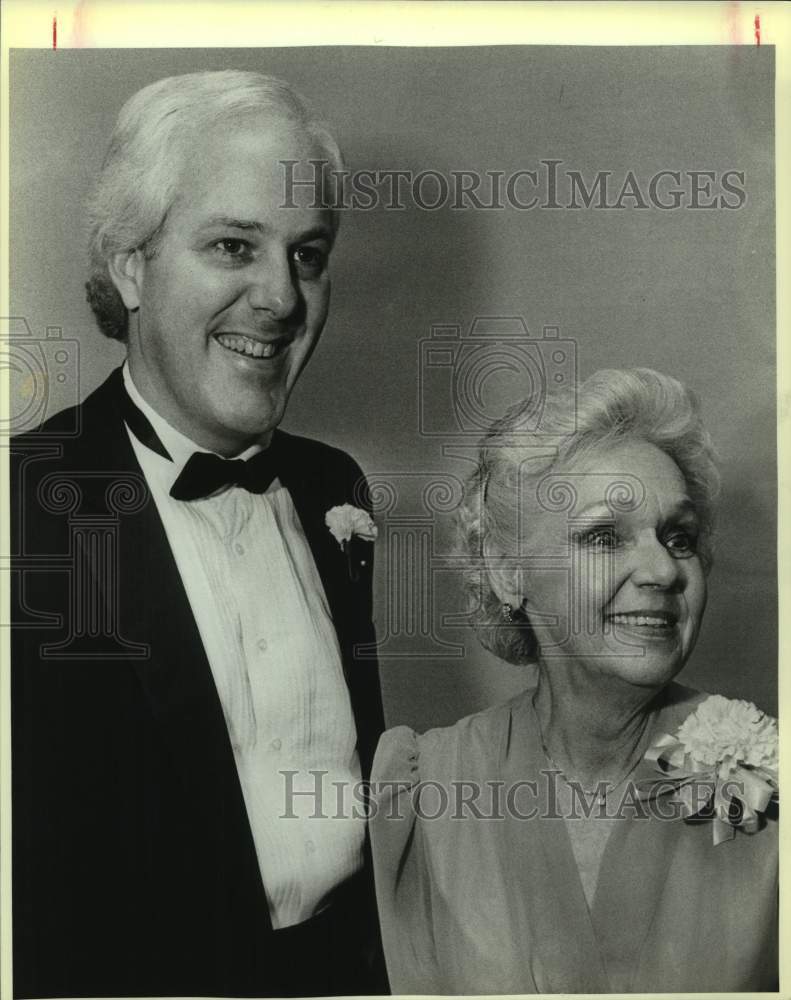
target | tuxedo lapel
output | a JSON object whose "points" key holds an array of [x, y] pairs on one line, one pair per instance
{"points": [[153, 604], [313, 495], [318, 479], [175, 676]]}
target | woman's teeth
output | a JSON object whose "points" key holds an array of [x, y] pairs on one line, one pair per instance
{"points": [[638, 620], [245, 345]]}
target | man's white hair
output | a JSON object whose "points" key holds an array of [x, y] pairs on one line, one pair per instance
{"points": [[137, 184]]}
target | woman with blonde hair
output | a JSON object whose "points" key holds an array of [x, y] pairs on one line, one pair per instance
{"points": [[607, 830]]}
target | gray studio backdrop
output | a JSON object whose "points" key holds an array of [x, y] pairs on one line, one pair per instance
{"points": [[689, 291]]}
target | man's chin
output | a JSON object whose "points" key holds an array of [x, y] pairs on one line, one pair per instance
{"points": [[229, 433], [241, 433]]}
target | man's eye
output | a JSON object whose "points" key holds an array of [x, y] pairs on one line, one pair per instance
{"points": [[310, 259], [232, 247], [604, 537], [681, 544]]}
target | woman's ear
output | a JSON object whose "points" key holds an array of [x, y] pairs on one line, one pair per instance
{"points": [[126, 270], [504, 577]]}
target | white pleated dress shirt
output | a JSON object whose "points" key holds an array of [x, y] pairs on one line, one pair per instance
{"points": [[263, 617]]}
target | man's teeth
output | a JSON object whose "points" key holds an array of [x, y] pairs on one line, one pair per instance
{"points": [[638, 620], [245, 345]]}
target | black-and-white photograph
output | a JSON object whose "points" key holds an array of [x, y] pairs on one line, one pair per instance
{"points": [[393, 520]]}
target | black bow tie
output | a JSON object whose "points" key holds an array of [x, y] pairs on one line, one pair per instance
{"points": [[205, 473]]}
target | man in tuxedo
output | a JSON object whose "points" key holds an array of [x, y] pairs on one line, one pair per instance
{"points": [[192, 680]]}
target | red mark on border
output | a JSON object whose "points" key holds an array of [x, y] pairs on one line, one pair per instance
{"points": [[55, 32], [757, 23]]}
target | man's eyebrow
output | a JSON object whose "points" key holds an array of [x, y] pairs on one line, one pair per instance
{"points": [[231, 223], [320, 232]]}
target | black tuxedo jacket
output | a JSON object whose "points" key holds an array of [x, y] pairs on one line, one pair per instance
{"points": [[134, 869]]}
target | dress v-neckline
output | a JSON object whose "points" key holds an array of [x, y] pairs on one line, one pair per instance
{"points": [[607, 937], [628, 894]]}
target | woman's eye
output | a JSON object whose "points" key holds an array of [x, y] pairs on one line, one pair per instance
{"points": [[681, 544], [310, 259], [600, 538]]}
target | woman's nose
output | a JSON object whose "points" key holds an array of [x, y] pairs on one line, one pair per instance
{"points": [[272, 287], [654, 566]]}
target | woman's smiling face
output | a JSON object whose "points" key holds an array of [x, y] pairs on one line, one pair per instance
{"points": [[630, 598]]}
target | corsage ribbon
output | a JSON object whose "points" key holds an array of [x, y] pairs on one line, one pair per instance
{"points": [[733, 792]]}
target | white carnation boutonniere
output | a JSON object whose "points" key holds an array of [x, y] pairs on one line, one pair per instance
{"points": [[347, 523], [722, 763]]}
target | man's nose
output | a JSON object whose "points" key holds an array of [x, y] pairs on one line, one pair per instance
{"points": [[654, 566], [272, 286]]}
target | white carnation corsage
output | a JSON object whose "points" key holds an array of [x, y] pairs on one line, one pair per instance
{"points": [[347, 523], [722, 763]]}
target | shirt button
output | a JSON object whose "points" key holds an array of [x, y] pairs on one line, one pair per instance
{"points": [[276, 744], [262, 645], [239, 549]]}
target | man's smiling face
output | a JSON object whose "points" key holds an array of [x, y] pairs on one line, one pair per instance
{"points": [[235, 297]]}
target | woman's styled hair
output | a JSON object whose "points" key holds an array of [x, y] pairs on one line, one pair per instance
{"points": [[137, 184], [609, 408]]}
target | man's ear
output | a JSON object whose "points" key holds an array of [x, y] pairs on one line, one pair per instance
{"points": [[126, 270]]}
